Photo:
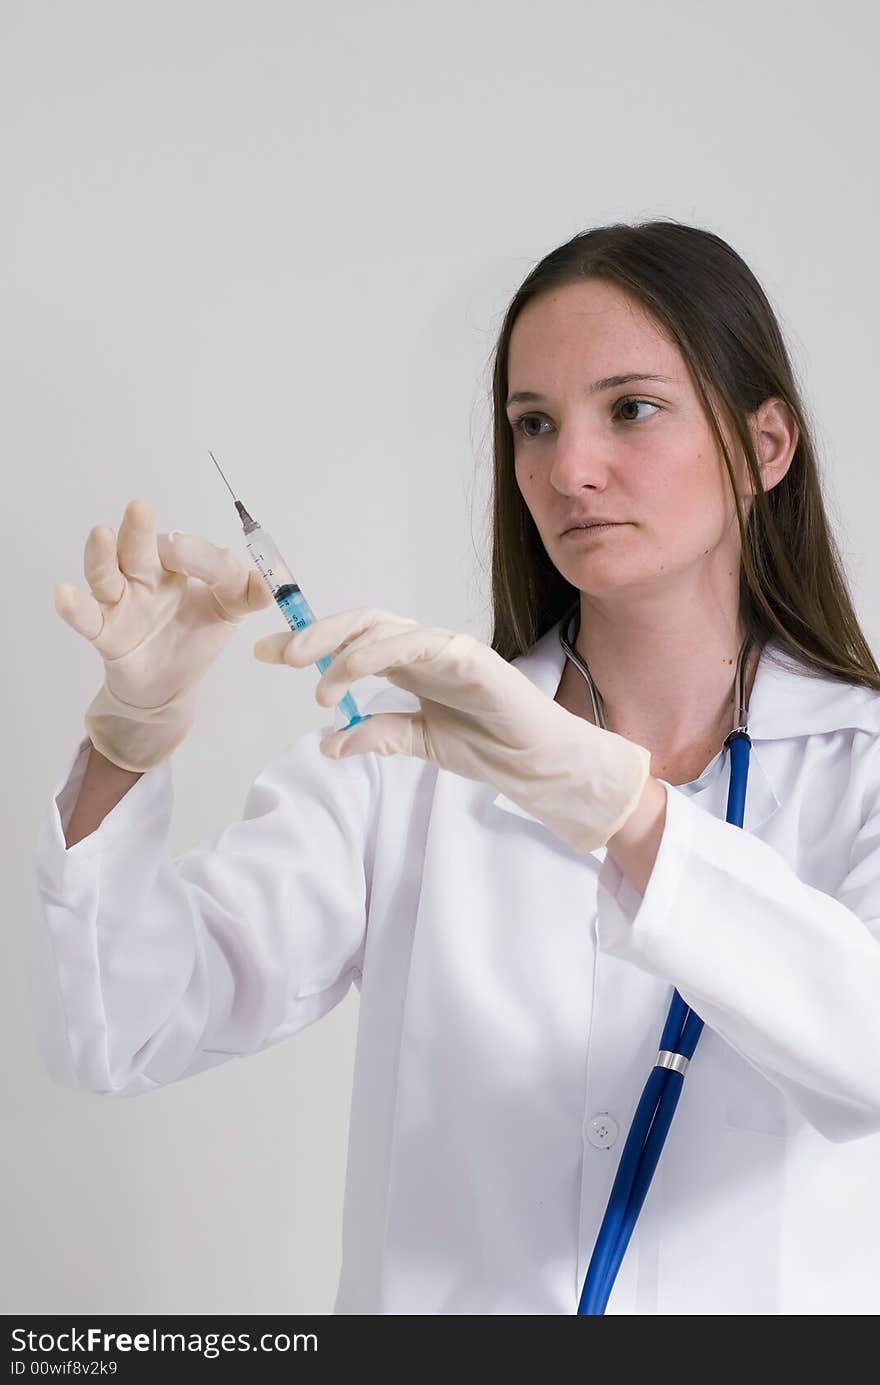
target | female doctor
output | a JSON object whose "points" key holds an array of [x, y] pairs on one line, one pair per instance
{"points": [[522, 855]]}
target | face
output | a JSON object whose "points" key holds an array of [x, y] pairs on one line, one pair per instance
{"points": [[640, 453]]}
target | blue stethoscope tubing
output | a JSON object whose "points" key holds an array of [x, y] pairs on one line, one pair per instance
{"points": [[658, 1102]]}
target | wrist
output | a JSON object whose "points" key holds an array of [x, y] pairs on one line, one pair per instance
{"points": [[137, 739], [634, 846]]}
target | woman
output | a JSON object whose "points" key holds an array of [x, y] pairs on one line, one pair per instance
{"points": [[516, 888]]}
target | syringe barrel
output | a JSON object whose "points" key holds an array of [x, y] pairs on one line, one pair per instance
{"points": [[279, 579], [292, 604]]}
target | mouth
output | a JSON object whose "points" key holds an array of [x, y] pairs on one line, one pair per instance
{"points": [[592, 528]]}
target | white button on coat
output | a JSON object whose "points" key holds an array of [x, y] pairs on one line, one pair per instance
{"points": [[511, 991], [602, 1131]]}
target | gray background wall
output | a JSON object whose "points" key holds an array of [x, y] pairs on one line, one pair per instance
{"points": [[289, 233]]}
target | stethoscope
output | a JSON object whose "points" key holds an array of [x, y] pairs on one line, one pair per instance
{"points": [[678, 1041]]}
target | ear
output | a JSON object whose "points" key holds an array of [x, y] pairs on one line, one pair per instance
{"points": [[775, 436]]}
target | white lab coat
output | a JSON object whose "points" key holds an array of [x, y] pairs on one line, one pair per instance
{"points": [[512, 995]]}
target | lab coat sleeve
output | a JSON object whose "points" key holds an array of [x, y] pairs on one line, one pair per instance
{"points": [[786, 974], [147, 969]]}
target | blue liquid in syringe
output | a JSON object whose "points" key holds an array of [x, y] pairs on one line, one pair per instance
{"points": [[298, 614]]}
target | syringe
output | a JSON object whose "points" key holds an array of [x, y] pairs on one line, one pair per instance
{"points": [[285, 589]]}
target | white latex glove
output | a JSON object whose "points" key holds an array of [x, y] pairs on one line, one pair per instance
{"points": [[480, 717], [161, 609]]}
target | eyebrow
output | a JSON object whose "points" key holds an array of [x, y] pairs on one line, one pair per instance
{"points": [[609, 383]]}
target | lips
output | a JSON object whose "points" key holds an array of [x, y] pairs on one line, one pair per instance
{"points": [[592, 524]]}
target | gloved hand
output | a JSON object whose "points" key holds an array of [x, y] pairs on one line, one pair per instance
{"points": [[161, 609], [480, 717]]}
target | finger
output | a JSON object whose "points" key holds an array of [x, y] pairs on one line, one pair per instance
{"points": [[80, 610], [383, 733], [327, 636], [237, 589], [287, 649], [137, 553], [258, 594], [379, 658], [100, 566], [273, 649]]}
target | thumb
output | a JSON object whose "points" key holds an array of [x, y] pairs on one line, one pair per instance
{"points": [[257, 594], [386, 733]]}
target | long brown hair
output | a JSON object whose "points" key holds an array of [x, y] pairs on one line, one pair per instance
{"points": [[793, 588]]}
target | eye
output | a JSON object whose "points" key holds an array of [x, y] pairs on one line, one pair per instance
{"points": [[517, 423], [622, 402]]}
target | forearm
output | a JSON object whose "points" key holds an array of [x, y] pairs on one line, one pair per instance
{"points": [[634, 847], [103, 785], [784, 972]]}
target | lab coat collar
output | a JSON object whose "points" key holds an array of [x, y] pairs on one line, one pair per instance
{"points": [[788, 698]]}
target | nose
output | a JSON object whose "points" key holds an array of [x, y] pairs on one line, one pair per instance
{"points": [[578, 463]]}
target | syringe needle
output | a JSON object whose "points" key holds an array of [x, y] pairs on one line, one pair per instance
{"points": [[243, 515], [217, 465]]}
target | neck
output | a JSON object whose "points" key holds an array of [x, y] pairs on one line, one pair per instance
{"points": [[666, 684]]}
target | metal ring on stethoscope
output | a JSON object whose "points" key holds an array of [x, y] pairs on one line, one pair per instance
{"points": [[676, 1061]]}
